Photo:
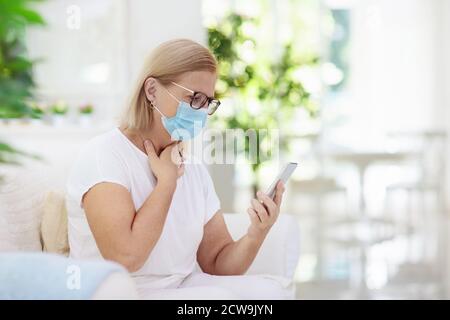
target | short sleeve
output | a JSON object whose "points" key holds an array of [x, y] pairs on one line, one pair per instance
{"points": [[93, 166], [212, 202]]}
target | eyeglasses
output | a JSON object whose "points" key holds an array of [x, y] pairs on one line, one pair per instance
{"points": [[200, 100]]}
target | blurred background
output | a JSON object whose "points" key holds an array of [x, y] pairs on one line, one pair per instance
{"points": [[356, 90]]}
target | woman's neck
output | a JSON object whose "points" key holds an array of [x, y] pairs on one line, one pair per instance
{"points": [[154, 134]]}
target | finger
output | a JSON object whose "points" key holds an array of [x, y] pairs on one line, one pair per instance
{"points": [[279, 193], [180, 147], [150, 150], [269, 203], [278, 199], [259, 208], [176, 156], [181, 170], [254, 218], [172, 144], [170, 154], [169, 147]]}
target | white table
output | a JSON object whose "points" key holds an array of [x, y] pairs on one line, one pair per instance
{"points": [[362, 161]]}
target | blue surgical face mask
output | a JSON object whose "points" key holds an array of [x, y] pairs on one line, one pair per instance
{"points": [[186, 123]]}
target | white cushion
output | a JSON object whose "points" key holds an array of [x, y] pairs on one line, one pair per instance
{"points": [[21, 201], [280, 250]]}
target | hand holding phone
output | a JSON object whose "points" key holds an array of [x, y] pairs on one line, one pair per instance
{"points": [[264, 212]]}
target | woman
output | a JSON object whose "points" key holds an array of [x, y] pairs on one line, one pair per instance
{"points": [[132, 197]]}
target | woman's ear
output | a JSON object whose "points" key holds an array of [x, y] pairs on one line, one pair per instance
{"points": [[150, 89]]}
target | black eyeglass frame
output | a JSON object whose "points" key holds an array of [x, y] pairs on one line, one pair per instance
{"points": [[208, 99]]}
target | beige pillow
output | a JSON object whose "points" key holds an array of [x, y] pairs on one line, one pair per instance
{"points": [[54, 224]]}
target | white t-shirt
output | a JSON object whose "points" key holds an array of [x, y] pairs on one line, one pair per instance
{"points": [[111, 157]]}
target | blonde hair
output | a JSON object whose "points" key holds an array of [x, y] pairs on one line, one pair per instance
{"points": [[166, 63]]}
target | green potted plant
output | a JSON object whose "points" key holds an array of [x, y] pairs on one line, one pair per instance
{"points": [[58, 112], [37, 113], [85, 114], [16, 78], [265, 90]]}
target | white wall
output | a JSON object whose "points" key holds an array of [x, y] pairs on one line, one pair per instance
{"points": [[82, 52], [443, 112], [393, 61], [152, 22], [98, 60]]}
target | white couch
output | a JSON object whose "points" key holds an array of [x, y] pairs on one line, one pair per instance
{"points": [[32, 218]]}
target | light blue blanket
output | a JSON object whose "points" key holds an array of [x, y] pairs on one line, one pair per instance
{"points": [[45, 276]]}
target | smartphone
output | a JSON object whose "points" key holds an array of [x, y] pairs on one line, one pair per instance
{"points": [[283, 176]]}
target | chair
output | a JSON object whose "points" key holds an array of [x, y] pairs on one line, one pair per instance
{"points": [[431, 169]]}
